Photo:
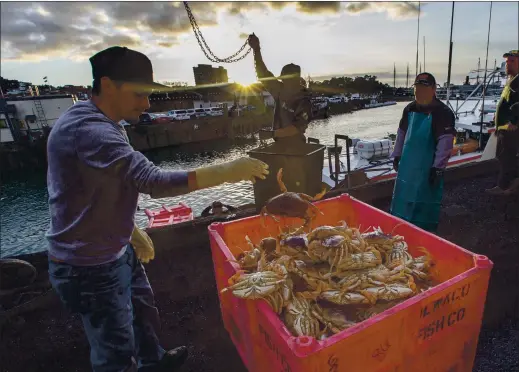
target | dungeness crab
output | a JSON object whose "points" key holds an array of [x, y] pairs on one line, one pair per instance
{"points": [[291, 204]]}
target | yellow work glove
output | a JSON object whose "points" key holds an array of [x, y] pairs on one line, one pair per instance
{"points": [[242, 169], [142, 244]]}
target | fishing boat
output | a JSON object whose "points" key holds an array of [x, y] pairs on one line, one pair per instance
{"points": [[374, 104], [367, 161]]}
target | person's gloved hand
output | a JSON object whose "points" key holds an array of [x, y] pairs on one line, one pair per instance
{"points": [[242, 169], [434, 175], [396, 161], [143, 245]]}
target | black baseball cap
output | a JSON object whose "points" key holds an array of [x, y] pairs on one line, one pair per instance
{"points": [[426, 79], [512, 53], [125, 65]]}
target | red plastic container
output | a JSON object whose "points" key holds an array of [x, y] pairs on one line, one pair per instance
{"points": [[436, 330], [168, 215]]}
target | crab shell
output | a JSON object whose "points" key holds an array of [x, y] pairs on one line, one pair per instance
{"points": [[288, 204], [390, 292], [268, 245], [256, 285], [333, 319], [299, 318], [346, 298], [297, 241], [333, 241]]}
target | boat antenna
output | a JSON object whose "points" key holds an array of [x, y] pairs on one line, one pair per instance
{"points": [[201, 41], [485, 83], [450, 59], [417, 39]]}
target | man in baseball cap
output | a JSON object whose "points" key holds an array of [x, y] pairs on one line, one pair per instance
{"points": [[507, 124], [423, 146], [426, 79], [95, 249], [124, 65]]}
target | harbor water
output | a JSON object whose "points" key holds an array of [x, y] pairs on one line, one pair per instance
{"points": [[24, 205]]}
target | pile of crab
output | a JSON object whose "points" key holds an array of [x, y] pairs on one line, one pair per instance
{"points": [[330, 279]]}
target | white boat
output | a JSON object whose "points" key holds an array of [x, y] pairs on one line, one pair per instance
{"points": [[369, 160], [374, 103]]}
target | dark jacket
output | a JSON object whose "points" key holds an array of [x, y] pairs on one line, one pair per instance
{"points": [[507, 110]]}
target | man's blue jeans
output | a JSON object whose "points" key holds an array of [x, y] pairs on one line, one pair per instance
{"points": [[117, 307]]}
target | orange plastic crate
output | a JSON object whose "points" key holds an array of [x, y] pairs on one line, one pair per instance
{"points": [[168, 215], [436, 330]]}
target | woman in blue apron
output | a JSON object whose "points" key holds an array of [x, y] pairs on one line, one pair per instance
{"points": [[424, 143]]}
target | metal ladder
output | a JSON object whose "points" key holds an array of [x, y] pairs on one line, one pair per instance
{"points": [[42, 120]]}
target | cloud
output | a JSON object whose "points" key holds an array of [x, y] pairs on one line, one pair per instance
{"points": [[76, 30], [395, 10], [318, 6]]}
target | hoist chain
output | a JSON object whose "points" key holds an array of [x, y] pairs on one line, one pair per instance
{"points": [[201, 41]]}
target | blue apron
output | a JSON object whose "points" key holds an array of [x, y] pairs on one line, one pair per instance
{"points": [[414, 199]]}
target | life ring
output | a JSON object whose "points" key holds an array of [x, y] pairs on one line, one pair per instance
{"points": [[216, 209]]}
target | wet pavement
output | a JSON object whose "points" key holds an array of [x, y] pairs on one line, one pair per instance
{"points": [[53, 340]]}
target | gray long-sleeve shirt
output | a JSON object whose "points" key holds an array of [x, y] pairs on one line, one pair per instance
{"points": [[94, 179]]}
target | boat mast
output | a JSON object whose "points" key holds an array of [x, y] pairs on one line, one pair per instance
{"points": [[424, 54], [485, 83], [450, 58], [394, 77], [407, 78], [417, 39], [479, 68]]}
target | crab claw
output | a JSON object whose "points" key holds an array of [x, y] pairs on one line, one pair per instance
{"points": [[372, 298], [234, 279]]}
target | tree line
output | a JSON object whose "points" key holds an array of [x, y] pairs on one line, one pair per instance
{"points": [[367, 84]]}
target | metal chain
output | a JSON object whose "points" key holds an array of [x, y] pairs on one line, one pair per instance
{"points": [[201, 41]]}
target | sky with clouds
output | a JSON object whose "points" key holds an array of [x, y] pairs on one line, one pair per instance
{"points": [[55, 39]]}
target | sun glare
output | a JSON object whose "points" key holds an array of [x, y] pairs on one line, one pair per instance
{"points": [[245, 83]]}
